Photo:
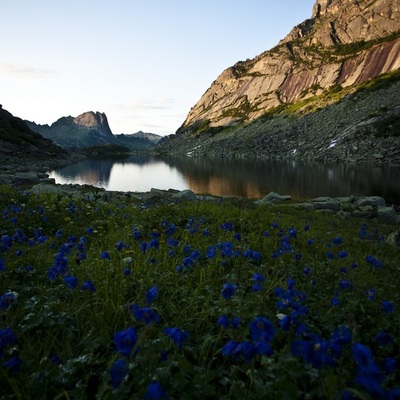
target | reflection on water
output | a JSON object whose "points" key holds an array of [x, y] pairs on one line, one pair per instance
{"points": [[244, 178]]}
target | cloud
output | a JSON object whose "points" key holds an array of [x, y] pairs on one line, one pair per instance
{"points": [[24, 71], [155, 103]]}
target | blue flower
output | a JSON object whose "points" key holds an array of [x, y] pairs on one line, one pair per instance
{"points": [[7, 300], [257, 277], [178, 336], [88, 285], [342, 254], [341, 335], [145, 314], [118, 371], [262, 330], [337, 240], [2, 265], [13, 364], [345, 284], [373, 261], [371, 293], [223, 321], [119, 245], [172, 242], [105, 255], [125, 341], [7, 337], [155, 391], [335, 302], [256, 288], [316, 351], [211, 251], [71, 281], [383, 339], [387, 306], [127, 271], [228, 291], [152, 294]]}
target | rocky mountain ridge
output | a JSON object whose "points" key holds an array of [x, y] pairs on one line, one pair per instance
{"points": [[344, 43], [91, 129]]}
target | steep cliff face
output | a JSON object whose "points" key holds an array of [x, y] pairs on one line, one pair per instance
{"points": [[344, 43], [88, 129], [91, 129]]}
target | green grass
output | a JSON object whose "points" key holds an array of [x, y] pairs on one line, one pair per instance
{"points": [[65, 338]]}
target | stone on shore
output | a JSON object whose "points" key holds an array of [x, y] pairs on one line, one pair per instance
{"points": [[273, 197]]}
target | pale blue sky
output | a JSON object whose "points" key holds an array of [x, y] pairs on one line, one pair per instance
{"points": [[143, 63]]}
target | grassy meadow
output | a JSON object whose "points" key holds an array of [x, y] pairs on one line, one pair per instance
{"points": [[121, 298]]}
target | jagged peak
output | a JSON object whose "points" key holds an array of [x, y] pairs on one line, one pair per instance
{"points": [[91, 119]]}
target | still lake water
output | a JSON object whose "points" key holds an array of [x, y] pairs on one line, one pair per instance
{"points": [[243, 178]]}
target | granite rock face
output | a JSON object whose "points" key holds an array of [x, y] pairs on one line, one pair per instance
{"points": [[345, 42]]}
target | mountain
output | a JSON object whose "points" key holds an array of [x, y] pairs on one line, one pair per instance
{"points": [[344, 43], [90, 129], [138, 141], [22, 148], [273, 105]]}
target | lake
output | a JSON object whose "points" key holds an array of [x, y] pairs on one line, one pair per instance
{"points": [[243, 178]]}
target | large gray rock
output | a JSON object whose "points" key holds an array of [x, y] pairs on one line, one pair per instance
{"points": [[273, 197], [185, 194]]}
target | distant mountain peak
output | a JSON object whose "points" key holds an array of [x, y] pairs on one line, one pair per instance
{"points": [[92, 119]]}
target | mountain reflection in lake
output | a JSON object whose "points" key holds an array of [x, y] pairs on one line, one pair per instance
{"points": [[243, 178]]}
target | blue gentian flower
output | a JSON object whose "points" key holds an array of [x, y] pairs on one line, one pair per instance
{"points": [[383, 338], [152, 294], [337, 240], [13, 364], [387, 306], [145, 314], [211, 251], [256, 288], [178, 336], [125, 341], [389, 365], [257, 277], [7, 337], [342, 254], [118, 371], [172, 242], [316, 351], [155, 392], [374, 262], [262, 329], [105, 255], [223, 321], [7, 300], [71, 281], [127, 271], [335, 302], [345, 284], [371, 293], [88, 285], [228, 291]]}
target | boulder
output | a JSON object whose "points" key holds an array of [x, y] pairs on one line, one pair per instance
{"points": [[394, 239], [273, 197], [185, 194]]}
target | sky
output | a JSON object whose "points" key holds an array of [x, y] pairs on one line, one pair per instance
{"points": [[145, 63]]}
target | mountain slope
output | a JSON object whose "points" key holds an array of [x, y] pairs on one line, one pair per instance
{"points": [[91, 129], [21, 148], [345, 43], [360, 127], [88, 129]]}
